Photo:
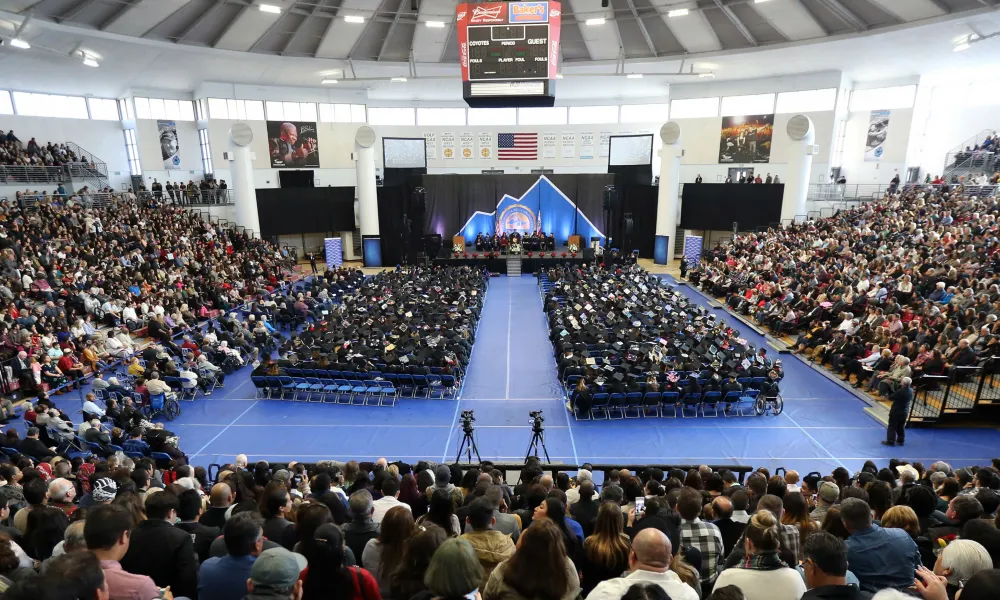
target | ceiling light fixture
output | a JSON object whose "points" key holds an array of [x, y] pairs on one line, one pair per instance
{"points": [[354, 19], [634, 76], [90, 61], [270, 8], [962, 46], [435, 24], [559, 76], [19, 43], [596, 21], [758, 1], [680, 12], [706, 75], [329, 81], [398, 79]]}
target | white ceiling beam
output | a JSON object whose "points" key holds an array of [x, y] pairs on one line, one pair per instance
{"points": [[127, 5], [736, 22], [642, 28], [204, 15], [845, 15], [135, 21], [815, 19], [388, 35], [77, 9], [791, 19]]}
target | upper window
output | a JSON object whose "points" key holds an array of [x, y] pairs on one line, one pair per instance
{"points": [[492, 116], [50, 105], [440, 116], [554, 115], [342, 113], [290, 111], [391, 116], [807, 101], [587, 115], [160, 108], [645, 113], [236, 110], [694, 108], [901, 96], [6, 106], [756, 104], [103, 109]]}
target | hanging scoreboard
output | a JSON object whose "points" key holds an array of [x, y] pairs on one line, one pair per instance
{"points": [[509, 52]]}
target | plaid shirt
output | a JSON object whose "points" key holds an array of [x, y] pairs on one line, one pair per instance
{"points": [[790, 539], [707, 539]]}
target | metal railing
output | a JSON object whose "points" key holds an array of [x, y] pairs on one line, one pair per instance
{"points": [[960, 391], [37, 175], [104, 199], [845, 195], [197, 197], [959, 156]]}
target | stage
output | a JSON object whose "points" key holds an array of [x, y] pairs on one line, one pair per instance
{"points": [[497, 263]]}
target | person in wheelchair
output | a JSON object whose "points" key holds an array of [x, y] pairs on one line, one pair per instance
{"points": [[157, 387], [769, 388]]}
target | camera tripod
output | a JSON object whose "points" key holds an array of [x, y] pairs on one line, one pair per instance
{"points": [[537, 439], [469, 446]]}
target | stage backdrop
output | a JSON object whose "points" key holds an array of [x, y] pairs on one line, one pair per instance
{"points": [[472, 204], [292, 144], [746, 139]]}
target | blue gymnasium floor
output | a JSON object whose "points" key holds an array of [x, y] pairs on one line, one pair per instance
{"points": [[512, 372]]}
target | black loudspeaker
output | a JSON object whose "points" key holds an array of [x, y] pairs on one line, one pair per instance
{"points": [[432, 244], [610, 199]]}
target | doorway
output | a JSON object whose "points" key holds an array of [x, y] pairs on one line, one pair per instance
{"points": [[737, 173]]}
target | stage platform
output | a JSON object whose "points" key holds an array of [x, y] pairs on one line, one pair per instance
{"points": [[529, 264]]}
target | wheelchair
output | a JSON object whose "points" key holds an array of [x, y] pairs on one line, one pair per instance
{"points": [[771, 402], [159, 404]]}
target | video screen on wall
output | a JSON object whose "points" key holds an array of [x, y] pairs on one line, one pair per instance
{"points": [[404, 153], [286, 211], [716, 206], [630, 150]]}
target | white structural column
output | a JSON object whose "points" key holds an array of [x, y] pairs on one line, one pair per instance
{"points": [[666, 203], [364, 146], [800, 156], [244, 191]]}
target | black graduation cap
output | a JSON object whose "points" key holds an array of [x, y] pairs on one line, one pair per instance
{"points": [[618, 377]]}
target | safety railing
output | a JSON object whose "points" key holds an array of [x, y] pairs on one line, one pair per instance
{"points": [[198, 197], [14, 174], [960, 391]]}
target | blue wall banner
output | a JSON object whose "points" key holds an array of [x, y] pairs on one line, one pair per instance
{"points": [[660, 246], [371, 247]]}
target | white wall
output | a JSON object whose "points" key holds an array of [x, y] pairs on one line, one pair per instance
{"points": [[893, 160], [151, 160], [103, 138], [957, 113]]}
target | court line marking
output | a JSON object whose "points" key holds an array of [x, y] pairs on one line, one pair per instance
{"points": [[399, 400], [619, 459], [821, 446], [458, 397], [226, 428], [510, 312]]}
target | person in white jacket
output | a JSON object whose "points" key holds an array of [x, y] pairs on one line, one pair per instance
{"points": [[763, 575]]}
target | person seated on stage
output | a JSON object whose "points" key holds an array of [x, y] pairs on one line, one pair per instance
{"points": [[480, 242], [551, 242], [503, 242]]}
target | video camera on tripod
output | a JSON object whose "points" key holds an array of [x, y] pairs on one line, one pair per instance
{"points": [[537, 420], [468, 418]]}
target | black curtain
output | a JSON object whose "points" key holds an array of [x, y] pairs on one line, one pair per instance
{"points": [[393, 203], [452, 199], [285, 211], [639, 201]]}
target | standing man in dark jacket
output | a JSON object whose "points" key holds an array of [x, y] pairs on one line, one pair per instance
{"points": [[900, 399], [162, 551]]}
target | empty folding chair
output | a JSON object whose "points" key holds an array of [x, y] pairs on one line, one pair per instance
{"points": [[600, 406], [633, 402], [669, 401], [710, 399], [651, 403], [616, 404]]}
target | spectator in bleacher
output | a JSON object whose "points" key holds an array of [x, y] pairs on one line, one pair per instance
{"points": [[491, 547], [606, 552], [648, 562], [160, 550], [764, 575], [731, 530], [539, 568], [225, 577], [361, 527], [824, 569], [959, 562], [702, 536], [879, 557]]}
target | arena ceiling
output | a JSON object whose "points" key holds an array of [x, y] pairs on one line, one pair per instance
{"points": [[393, 32]]}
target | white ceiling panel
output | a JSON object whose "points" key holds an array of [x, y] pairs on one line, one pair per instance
{"points": [[341, 36], [691, 30], [602, 41], [791, 18], [911, 10], [428, 42], [249, 26], [144, 15]]}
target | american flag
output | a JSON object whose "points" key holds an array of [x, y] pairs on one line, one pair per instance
{"points": [[517, 146]]}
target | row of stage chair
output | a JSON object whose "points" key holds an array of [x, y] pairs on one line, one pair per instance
{"points": [[371, 388], [667, 405]]}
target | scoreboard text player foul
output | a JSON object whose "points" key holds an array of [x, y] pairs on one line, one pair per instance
{"points": [[509, 52]]}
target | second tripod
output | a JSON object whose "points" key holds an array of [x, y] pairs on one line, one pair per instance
{"points": [[537, 436], [468, 443]]}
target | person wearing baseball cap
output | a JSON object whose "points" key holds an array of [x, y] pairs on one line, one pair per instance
{"points": [[275, 574], [828, 495]]}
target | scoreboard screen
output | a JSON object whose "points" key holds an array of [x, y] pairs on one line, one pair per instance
{"points": [[509, 49], [509, 52]]}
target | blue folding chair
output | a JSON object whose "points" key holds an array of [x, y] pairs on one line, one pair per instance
{"points": [[260, 386], [450, 384], [748, 399], [388, 392], [434, 385], [633, 402], [419, 382], [616, 404], [344, 388], [669, 400], [731, 399], [315, 389], [288, 385], [358, 388], [710, 399], [600, 406], [651, 402]]}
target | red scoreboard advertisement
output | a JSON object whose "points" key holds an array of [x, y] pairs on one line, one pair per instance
{"points": [[509, 52]]}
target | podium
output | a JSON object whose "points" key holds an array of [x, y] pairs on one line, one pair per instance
{"points": [[575, 239], [458, 240]]}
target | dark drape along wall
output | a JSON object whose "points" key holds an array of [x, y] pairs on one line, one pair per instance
{"points": [[640, 201], [393, 203], [452, 199], [716, 206]]}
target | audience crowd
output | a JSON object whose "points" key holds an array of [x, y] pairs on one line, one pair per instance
{"points": [[905, 287], [124, 528], [32, 154]]}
